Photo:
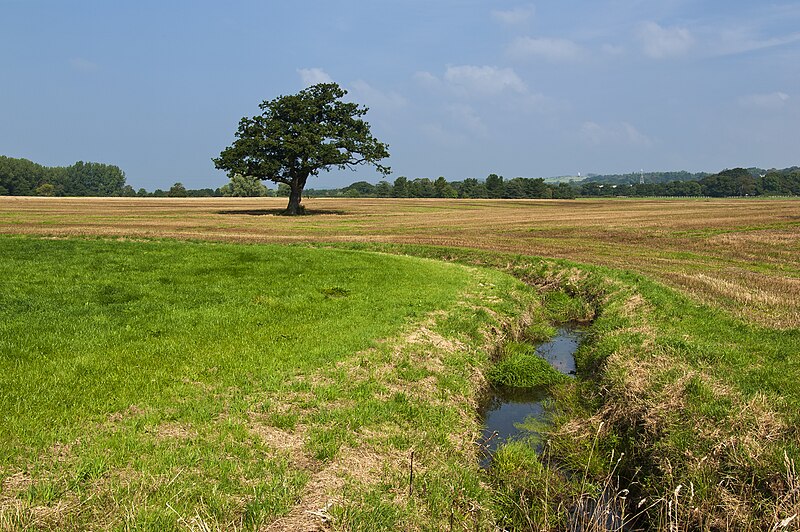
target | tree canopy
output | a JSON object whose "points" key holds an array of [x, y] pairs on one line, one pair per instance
{"points": [[21, 177], [733, 182], [297, 136]]}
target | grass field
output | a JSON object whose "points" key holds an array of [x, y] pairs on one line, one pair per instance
{"points": [[687, 400], [740, 254], [164, 385]]}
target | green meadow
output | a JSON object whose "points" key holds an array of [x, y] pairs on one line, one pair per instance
{"points": [[90, 328], [163, 385]]}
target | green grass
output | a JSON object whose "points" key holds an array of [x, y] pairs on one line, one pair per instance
{"points": [[88, 328], [520, 366], [135, 376], [165, 385], [155, 385], [527, 494]]}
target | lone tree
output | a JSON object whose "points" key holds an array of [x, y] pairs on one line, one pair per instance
{"points": [[296, 136]]}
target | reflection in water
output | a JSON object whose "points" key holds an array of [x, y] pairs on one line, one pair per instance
{"points": [[515, 413], [560, 351], [504, 413]]}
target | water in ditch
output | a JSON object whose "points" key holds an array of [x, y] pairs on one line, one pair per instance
{"points": [[519, 413], [522, 413]]}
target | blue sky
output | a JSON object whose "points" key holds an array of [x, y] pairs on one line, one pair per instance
{"points": [[456, 88]]}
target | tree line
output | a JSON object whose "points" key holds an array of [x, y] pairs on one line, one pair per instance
{"points": [[238, 186], [493, 187], [649, 177], [21, 177], [728, 183]]}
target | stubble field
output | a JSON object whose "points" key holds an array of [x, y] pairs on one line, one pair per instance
{"points": [[739, 254]]}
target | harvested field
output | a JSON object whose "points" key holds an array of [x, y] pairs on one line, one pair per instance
{"points": [[740, 254]]}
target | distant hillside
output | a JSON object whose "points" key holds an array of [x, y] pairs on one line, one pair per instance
{"points": [[563, 179], [728, 183], [649, 177]]}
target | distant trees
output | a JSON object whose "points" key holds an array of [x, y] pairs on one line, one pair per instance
{"points": [[24, 177], [472, 188], [563, 191], [779, 182], [177, 191], [494, 186], [21, 177], [358, 189], [45, 189], [383, 189], [649, 177], [244, 186], [423, 187], [400, 187], [728, 183], [735, 182], [92, 179], [443, 189]]}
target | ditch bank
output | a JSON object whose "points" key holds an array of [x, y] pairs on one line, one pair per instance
{"points": [[683, 416]]}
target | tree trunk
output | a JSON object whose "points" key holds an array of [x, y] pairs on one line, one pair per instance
{"points": [[295, 195]]}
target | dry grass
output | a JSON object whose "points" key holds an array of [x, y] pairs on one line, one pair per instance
{"points": [[702, 448], [743, 255]]}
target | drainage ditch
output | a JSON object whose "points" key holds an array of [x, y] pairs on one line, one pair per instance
{"points": [[511, 413]]}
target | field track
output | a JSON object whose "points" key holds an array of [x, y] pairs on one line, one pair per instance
{"points": [[740, 254]]}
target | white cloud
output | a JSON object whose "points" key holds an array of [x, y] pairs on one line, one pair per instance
{"points": [[437, 134], [733, 41], [613, 49], [501, 86], [466, 117], [659, 42], [84, 65], [376, 99], [484, 80], [312, 76], [518, 15], [427, 80], [541, 103], [772, 100], [556, 50], [619, 133]]}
